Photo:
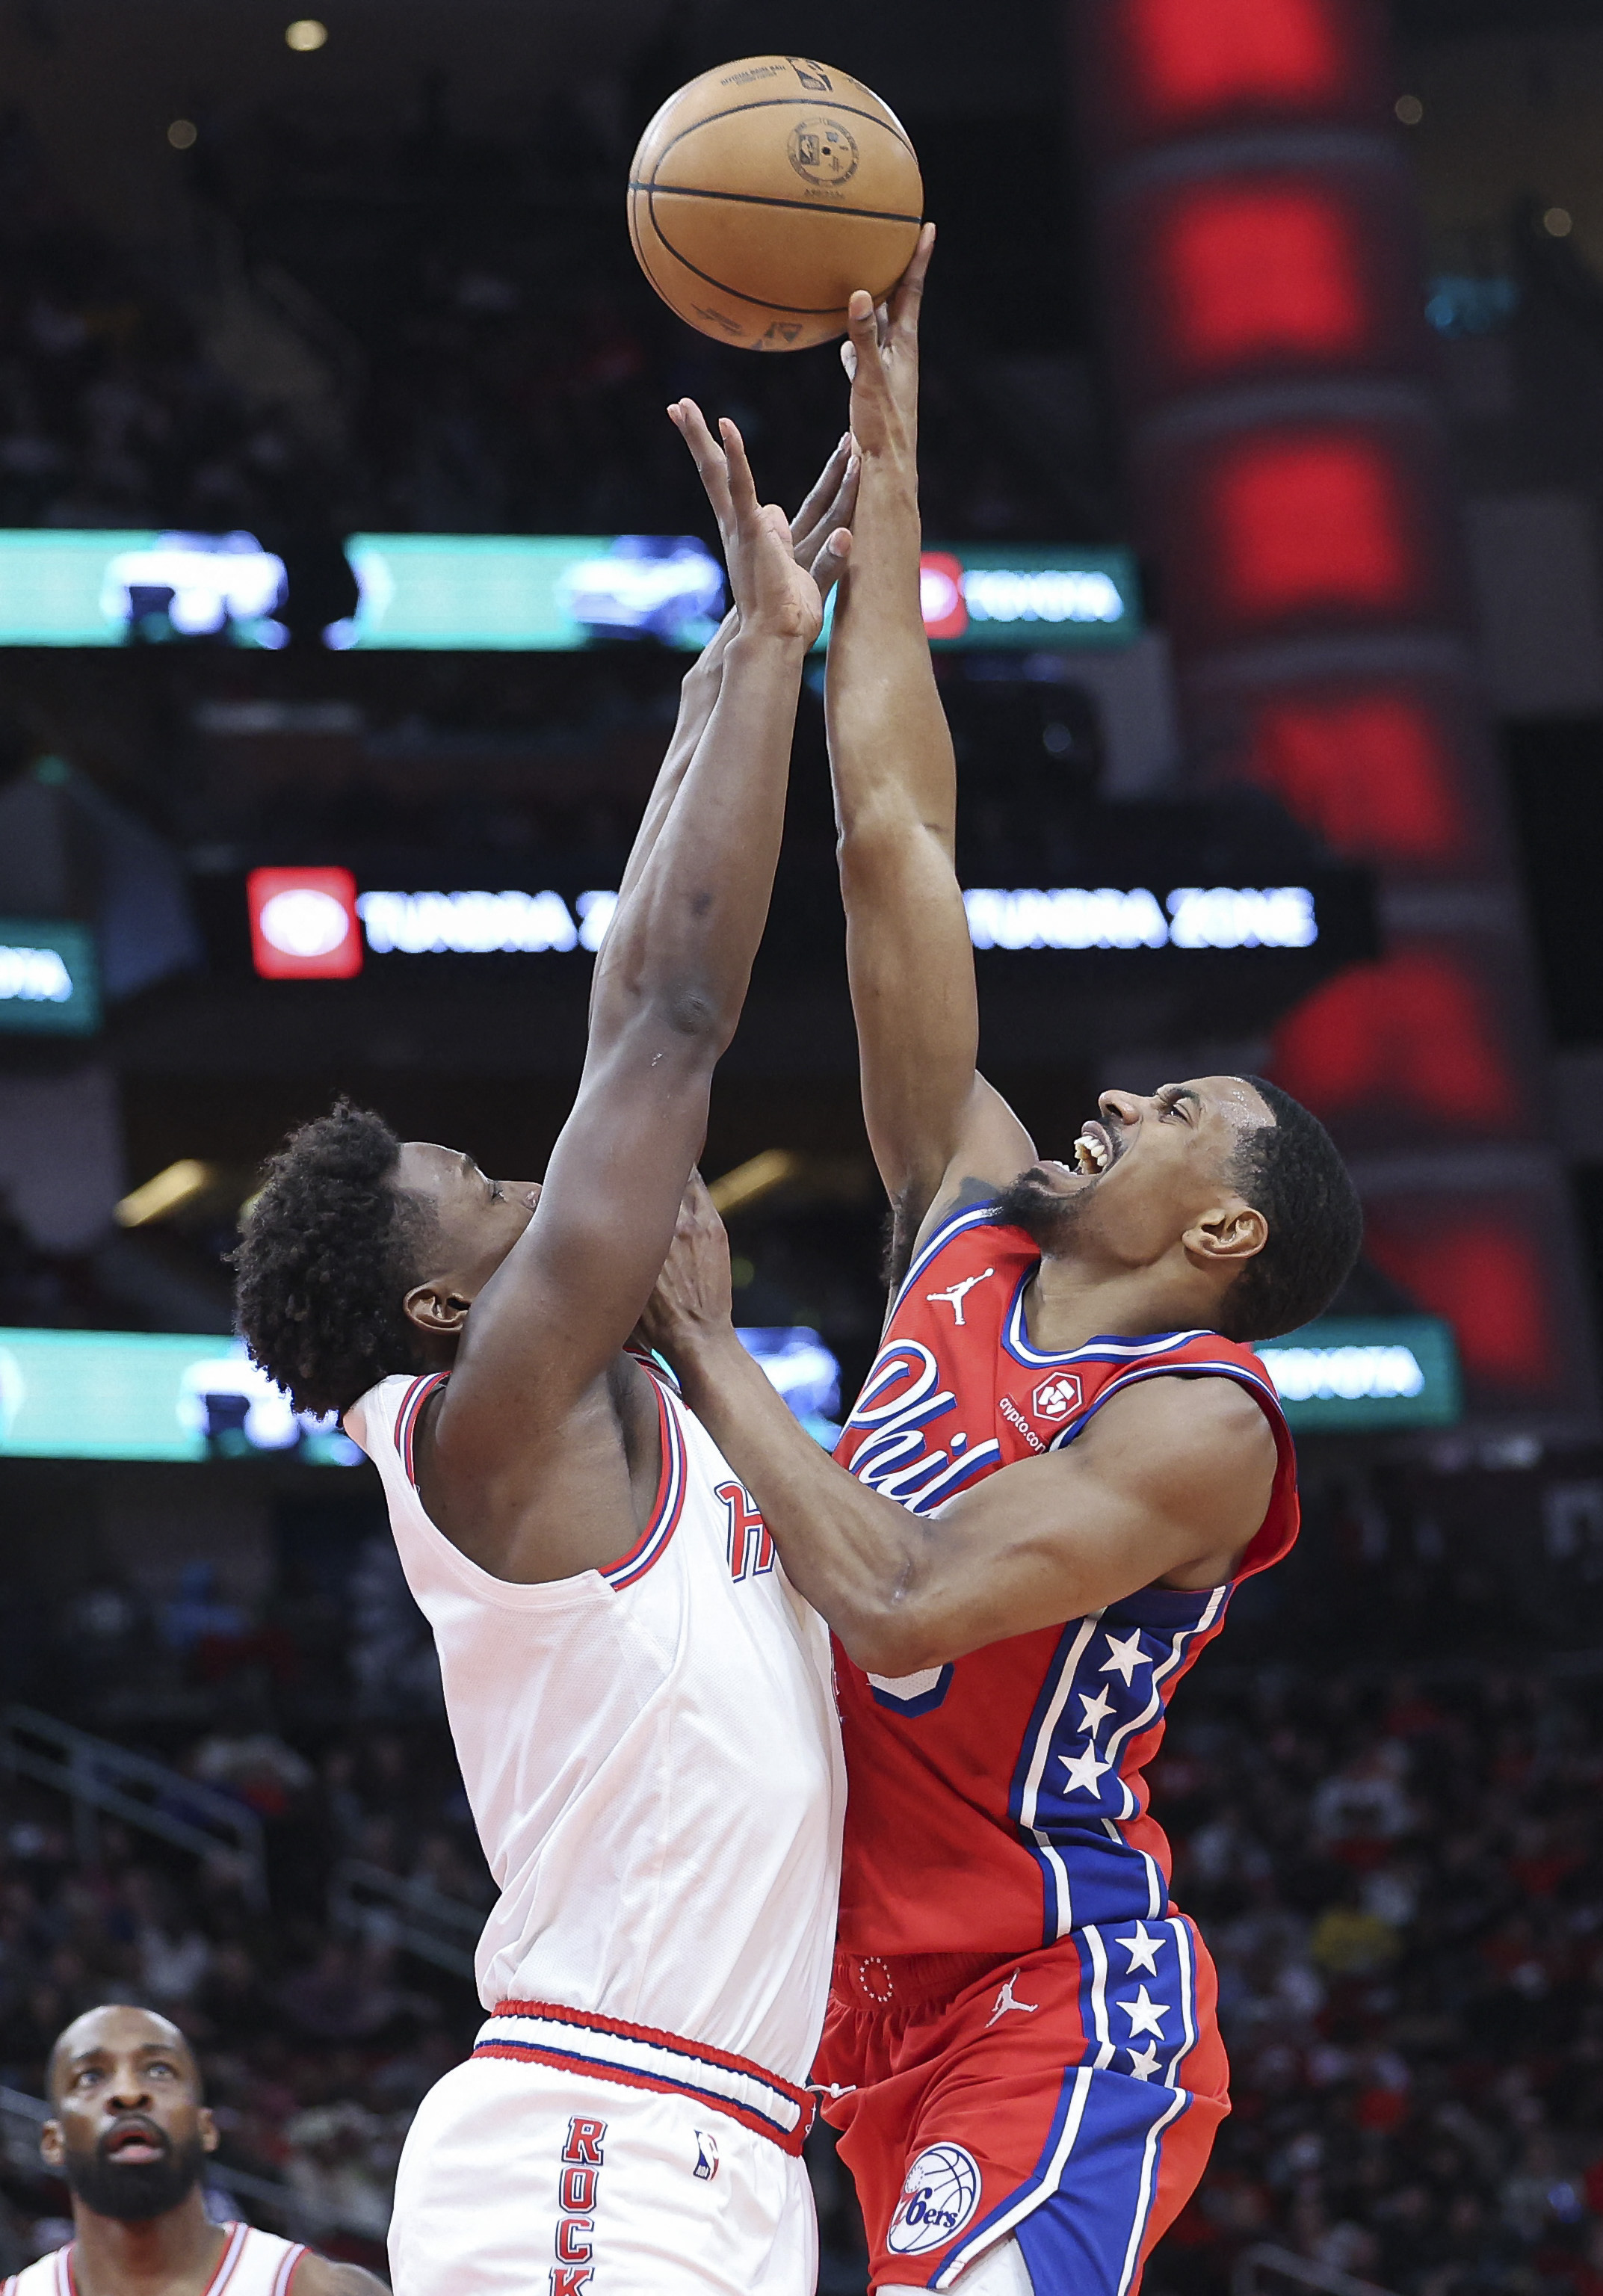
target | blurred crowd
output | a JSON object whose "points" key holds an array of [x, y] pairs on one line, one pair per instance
{"points": [[1401, 1884], [362, 328]]}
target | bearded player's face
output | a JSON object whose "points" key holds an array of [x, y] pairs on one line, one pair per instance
{"points": [[1143, 1171], [128, 2131]]}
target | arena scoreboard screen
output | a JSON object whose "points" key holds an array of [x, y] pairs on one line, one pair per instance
{"points": [[1349, 1373], [49, 977], [194, 1396], [509, 592]]}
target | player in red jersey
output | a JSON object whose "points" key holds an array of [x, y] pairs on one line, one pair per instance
{"points": [[1040, 1527]]}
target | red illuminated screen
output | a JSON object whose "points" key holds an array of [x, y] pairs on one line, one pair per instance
{"points": [[1262, 271], [1488, 1280], [1308, 520], [1373, 773], [1192, 56], [1413, 1032]]}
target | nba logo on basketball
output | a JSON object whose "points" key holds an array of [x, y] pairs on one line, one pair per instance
{"points": [[939, 2194], [1055, 1398]]}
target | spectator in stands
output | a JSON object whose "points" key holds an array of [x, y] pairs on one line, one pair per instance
{"points": [[130, 2136]]}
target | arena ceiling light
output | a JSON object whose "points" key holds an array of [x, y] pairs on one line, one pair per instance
{"points": [[180, 1184]]}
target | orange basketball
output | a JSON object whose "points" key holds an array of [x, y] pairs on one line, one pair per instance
{"points": [[764, 192]]}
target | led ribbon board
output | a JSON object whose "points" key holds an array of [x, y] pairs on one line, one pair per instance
{"points": [[478, 923], [510, 592], [49, 979], [149, 1395], [1348, 1372]]}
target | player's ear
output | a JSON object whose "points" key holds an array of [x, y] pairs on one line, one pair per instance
{"points": [[1228, 1234], [53, 2145], [439, 1307], [207, 2127]]}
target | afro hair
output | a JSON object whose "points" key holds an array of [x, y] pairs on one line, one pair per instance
{"points": [[329, 1250]]}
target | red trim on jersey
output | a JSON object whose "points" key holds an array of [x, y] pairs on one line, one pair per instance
{"points": [[666, 1506], [406, 1419], [789, 2141], [660, 2038]]}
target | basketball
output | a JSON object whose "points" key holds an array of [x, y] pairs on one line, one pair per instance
{"points": [[764, 192]]}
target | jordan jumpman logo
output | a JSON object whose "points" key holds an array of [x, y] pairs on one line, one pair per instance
{"points": [[1005, 2001], [958, 1293]]}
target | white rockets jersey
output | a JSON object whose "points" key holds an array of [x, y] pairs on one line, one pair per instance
{"points": [[651, 1755], [252, 2264]]}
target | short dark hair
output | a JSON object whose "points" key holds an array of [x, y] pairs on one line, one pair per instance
{"points": [[1292, 1172], [330, 1251]]}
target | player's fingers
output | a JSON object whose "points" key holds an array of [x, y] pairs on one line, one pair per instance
{"points": [[840, 511], [742, 487], [831, 562], [848, 359], [862, 327], [910, 288], [709, 458], [825, 488]]}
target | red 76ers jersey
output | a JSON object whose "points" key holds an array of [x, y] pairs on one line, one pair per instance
{"points": [[999, 1802]]}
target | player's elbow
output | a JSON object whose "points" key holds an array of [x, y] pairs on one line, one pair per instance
{"points": [[881, 837], [893, 1640]]}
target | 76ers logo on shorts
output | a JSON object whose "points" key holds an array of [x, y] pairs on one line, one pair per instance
{"points": [[939, 2194], [1055, 1398]]}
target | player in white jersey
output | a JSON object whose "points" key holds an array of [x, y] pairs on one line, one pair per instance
{"points": [[641, 1706], [129, 2135]]}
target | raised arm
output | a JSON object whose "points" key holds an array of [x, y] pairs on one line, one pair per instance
{"points": [[827, 512], [1167, 1485], [671, 979], [932, 1120]]}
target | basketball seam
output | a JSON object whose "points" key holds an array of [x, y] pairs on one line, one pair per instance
{"points": [[801, 310], [763, 199], [783, 102]]}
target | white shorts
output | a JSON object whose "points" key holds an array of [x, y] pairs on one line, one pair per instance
{"points": [[520, 2180]]}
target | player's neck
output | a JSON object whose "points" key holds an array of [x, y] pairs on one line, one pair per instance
{"points": [[171, 2255], [1069, 1302]]}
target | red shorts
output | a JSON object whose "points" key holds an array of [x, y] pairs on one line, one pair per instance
{"points": [[1039, 2099]]}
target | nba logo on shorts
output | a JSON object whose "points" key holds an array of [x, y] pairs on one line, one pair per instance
{"points": [[939, 2194], [1055, 1398]]}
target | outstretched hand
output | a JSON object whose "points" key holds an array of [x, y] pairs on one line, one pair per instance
{"points": [[773, 596], [881, 354], [694, 1298]]}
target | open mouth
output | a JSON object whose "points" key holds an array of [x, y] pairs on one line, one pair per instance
{"points": [[135, 2144], [1096, 1150]]}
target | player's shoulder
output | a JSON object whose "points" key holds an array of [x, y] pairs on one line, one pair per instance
{"points": [[1193, 1405], [47, 2276]]}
